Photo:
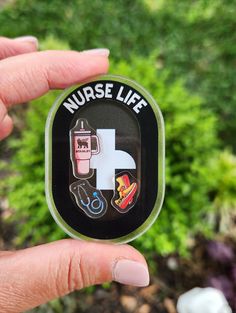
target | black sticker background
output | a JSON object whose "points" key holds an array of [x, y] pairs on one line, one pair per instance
{"points": [[130, 137]]}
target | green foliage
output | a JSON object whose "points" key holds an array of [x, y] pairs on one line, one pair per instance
{"points": [[51, 43], [223, 181], [199, 43], [221, 176], [191, 140], [196, 39], [84, 25]]}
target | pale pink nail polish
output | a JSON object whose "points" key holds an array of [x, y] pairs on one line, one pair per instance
{"points": [[131, 273], [99, 51], [28, 39]]}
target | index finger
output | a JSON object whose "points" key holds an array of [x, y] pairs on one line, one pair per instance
{"points": [[29, 76]]}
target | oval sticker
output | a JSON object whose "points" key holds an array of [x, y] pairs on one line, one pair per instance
{"points": [[105, 160]]}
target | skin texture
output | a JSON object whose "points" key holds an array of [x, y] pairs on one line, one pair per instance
{"points": [[36, 275]]}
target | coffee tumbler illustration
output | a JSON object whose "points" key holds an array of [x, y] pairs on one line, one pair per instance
{"points": [[82, 142]]}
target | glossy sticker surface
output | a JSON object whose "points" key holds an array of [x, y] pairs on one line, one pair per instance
{"points": [[125, 193], [105, 160]]}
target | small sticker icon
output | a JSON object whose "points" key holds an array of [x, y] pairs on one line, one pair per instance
{"points": [[89, 199], [82, 142], [126, 193]]}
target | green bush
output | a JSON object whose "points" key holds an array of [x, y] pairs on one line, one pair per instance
{"points": [[191, 141], [223, 181], [198, 42], [223, 191], [196, 39], [84, 25]]}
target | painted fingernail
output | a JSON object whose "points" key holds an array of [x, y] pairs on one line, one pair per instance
{"points": [[30, 39], [99, 51], [131, 273]]}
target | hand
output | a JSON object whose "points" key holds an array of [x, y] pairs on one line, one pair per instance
{"points": [[35, 275]]}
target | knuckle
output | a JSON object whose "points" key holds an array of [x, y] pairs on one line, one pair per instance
{"points": [[68, 274]]}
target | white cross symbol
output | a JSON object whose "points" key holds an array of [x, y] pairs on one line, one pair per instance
{"points": [[109, 159]]}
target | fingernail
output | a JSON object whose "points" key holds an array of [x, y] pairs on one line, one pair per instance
{"points": [[131, 273], [30, 39], [99, 51]]}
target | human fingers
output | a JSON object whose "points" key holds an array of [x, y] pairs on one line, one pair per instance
{"points": [[36, 275], [29, 76], [10, 47]]}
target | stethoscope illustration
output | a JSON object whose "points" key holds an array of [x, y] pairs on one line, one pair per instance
{"points": [[96, 206]]}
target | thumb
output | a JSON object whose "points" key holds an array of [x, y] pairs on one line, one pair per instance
{"points": [[36, 275]]}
